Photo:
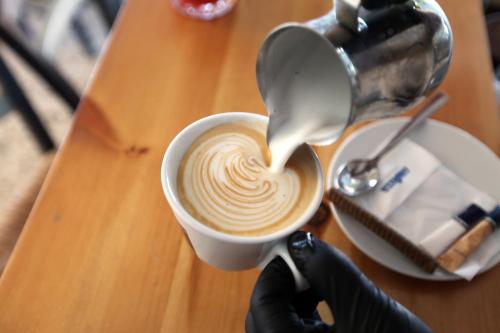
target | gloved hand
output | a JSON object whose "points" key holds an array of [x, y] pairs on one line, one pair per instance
{"points": [[357, 305]]}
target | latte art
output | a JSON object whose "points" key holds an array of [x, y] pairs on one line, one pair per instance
{"points": [[224, 182]]}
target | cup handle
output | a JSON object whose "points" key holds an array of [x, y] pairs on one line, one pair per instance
{"points": [[280, 249]]}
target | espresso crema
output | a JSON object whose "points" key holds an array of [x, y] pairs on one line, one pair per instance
{"points": [[224, 181]]}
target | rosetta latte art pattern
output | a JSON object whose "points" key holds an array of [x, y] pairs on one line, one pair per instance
{"points": [[226, 179], [225, 183]]}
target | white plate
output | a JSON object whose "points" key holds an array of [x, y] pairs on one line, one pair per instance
{"points": [[462, 153]]}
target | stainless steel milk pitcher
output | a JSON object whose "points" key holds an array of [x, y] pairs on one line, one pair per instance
{"points": [[364, 59]]}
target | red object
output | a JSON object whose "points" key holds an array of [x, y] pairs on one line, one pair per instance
{"points": [[203, 9], [196, 2]]}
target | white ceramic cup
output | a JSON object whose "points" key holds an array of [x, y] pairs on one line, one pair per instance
{"points": [[227, 251]]}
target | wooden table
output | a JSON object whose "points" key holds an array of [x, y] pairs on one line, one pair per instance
{"points": [[101, 251]]}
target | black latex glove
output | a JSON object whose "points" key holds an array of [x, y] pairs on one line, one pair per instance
{"points": [[357, 305]]}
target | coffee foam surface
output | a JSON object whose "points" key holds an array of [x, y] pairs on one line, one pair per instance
{"points": [[224, 181]]}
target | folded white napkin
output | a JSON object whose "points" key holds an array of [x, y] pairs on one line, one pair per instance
{"points": [[418, 194]]}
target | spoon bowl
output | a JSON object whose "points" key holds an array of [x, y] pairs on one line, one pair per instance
{"points": [[352, 182], [359, 176]]}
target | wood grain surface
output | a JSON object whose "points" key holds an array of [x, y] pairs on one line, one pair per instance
{"points": [[101, 251]]}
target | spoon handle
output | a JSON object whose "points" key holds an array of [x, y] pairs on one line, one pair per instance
{"points": [[428, 110]]}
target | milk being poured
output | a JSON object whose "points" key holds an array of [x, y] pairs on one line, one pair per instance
{"points": [[308, 96]]}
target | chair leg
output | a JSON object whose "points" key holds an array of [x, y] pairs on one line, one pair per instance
{"points": [[84, 36], [106, 11], [42, 67], [17, 97]]}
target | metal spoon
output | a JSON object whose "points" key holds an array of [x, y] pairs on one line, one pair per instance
{"points": [[362, 175]]}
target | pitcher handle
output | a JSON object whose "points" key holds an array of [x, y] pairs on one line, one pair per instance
{"points": [[346, 12]]}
